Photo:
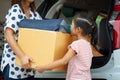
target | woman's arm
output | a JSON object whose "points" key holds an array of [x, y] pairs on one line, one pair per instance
{"points": [[9, 36], [63, 61]]}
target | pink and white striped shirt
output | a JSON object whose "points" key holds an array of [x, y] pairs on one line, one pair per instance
{"points": [[79, 65]]}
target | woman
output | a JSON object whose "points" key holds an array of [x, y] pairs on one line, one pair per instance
{"points": [[21, 9]]}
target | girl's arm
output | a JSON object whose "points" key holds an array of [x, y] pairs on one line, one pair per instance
{"points": [[9, 36], [63, 61]]}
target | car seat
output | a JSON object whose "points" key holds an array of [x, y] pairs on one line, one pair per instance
{"points": [[49, 7], [45, 6]]}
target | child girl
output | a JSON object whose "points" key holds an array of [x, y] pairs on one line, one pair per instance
{"points": [[79, 54], [21, 9]]}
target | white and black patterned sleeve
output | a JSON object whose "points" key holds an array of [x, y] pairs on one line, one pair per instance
{"points": [[13, 18]]}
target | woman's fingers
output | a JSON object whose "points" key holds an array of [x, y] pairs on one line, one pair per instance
{"points": [[32, 60], [26, 62], [26, 66]]}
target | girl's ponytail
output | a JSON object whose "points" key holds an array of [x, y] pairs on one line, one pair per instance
{"points": [[94, 35]]}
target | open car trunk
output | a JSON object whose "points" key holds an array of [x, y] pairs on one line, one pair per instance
{"points": [[93, 7]]}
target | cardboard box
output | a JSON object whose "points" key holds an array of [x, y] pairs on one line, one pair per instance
{"points": [[43, 46]]}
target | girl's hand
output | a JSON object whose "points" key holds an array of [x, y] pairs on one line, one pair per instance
{"points": [[40, 69], [25, 61]]}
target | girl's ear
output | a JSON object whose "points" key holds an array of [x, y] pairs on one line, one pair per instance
{"points": [[79, 29]]}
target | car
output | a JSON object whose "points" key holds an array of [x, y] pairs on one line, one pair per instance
{"points": [[104, 67]]}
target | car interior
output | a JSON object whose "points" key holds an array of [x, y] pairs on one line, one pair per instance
{"points": [[94, 8]]}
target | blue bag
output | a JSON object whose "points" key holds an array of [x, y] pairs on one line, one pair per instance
{"points": [[51, 24]]}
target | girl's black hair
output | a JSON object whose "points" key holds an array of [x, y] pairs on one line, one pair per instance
{"points": [[88, 26]]}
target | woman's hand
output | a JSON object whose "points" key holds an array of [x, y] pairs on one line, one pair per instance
{"points": [[25, 61], [9, 36], [39, 69]]}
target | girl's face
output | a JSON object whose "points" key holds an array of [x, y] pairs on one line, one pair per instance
{"points": [[73, 29]]}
